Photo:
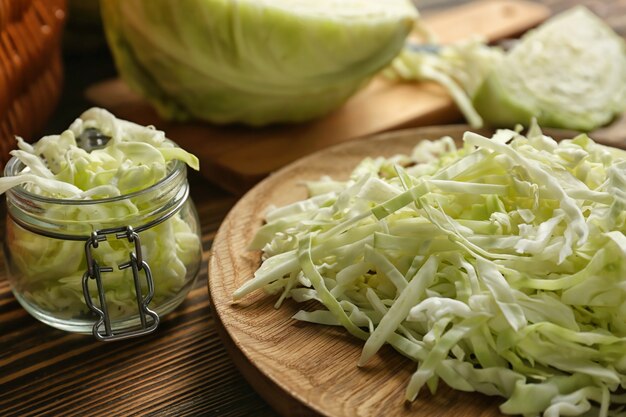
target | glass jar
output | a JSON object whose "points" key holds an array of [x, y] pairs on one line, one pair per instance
{"points": [[109, 266]]}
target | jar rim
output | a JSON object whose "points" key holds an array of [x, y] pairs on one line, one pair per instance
{"points": [[174, 169]]}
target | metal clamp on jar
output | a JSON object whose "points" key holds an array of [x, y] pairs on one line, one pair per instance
{"points": [[94, 271]]}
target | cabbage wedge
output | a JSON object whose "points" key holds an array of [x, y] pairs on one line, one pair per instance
{"points": [[568, 73], [251, 61]]}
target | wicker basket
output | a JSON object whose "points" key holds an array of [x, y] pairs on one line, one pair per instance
{"points": [[31, 71]]}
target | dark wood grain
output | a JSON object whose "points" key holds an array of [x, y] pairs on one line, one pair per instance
{"points": [[184, 369]]}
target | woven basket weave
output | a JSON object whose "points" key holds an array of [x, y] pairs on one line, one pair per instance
{"points": [[30, 67]]}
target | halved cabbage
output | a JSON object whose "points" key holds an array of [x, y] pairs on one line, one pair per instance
{"points": [[253, 61]]}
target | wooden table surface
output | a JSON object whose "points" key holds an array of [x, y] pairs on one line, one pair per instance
{"points": [[183, 369]]}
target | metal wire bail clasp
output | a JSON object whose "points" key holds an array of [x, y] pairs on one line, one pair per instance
{"points": [[102, 329]]}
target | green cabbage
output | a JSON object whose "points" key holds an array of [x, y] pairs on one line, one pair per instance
{"points": [[570, 73], [46, 272], [498, 267], [251, 61]]}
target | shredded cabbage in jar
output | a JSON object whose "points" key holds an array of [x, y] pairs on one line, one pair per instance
{"points": [[49, 271], [498, 267]]}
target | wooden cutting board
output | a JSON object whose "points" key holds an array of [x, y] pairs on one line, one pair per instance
{"points": [[305, 369], [237, 157]]}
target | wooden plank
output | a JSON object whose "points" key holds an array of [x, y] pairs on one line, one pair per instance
{"points": [[238, 157]]}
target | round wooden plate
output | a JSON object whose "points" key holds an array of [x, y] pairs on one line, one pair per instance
{"points": [[308, 369]]}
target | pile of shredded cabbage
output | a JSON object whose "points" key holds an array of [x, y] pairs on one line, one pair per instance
{"points": [[499, 267], [134, 158]]}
